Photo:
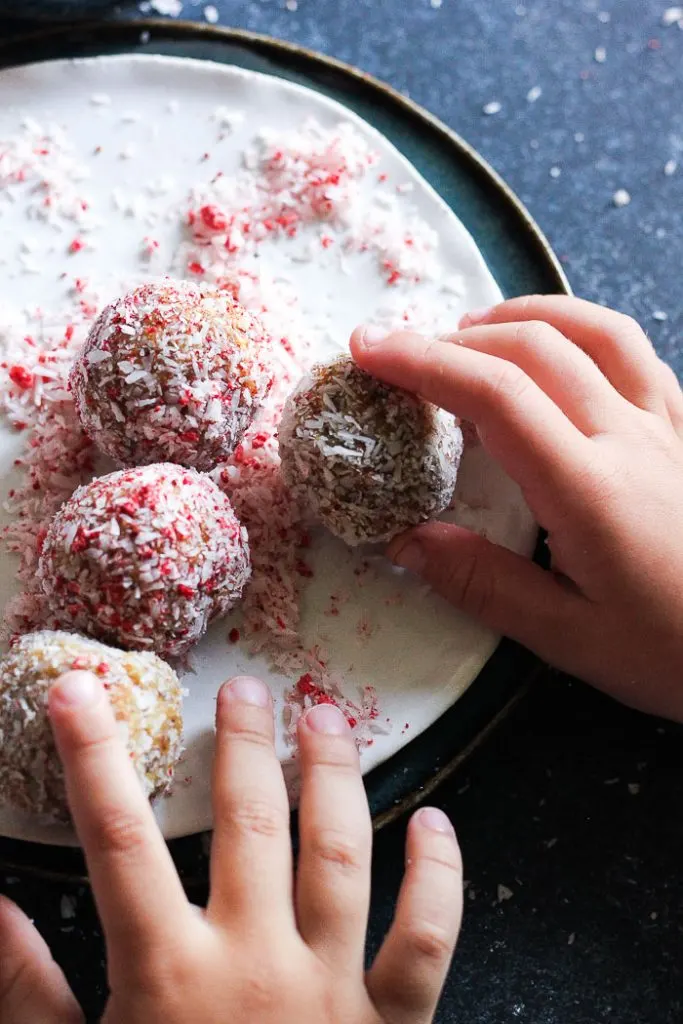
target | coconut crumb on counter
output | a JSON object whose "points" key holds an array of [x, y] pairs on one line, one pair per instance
{"points": [[171, 8], [503, 893], [621, 198], [67, 906], [672, 16]]}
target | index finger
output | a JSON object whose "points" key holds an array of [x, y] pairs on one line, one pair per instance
{"points": [[517, 421], [614, 341], [135, 884]]}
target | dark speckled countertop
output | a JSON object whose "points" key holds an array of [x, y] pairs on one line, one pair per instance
{"points": [[575, 806]]}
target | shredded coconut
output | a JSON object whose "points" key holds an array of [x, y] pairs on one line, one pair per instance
{"points": [[145, 694], [310, 185], [368, 459], [67, 907], [144, 558], [171, 372], [171, 8], [672, 16], [503, 893]]}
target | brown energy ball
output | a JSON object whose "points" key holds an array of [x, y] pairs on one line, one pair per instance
{"points": [[144, 693], [368, 459], [171, 372], [145, 558]]}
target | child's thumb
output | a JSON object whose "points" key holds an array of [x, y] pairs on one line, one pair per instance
{"points": [[32, 986], [501, 589]]}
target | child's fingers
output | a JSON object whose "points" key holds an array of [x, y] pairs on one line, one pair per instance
{"points": [[32, 986], [333, 878], [407, 977], [519, 424], [566, 374], [135, 883], [251, 854], [499, 588], [614, 341], [673, 396]]}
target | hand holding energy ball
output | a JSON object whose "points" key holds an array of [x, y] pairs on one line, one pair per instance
{"points": [[574, 403]]}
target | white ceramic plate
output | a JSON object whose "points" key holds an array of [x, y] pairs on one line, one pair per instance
{"points": [[420, 655]]}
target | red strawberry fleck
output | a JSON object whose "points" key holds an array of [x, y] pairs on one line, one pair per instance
{"points": [[213, 218], [20, 376]]}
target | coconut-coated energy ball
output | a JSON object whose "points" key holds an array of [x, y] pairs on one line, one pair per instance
{"points": [[144, 693], [171, 372], [367, 459], [144, 558]]}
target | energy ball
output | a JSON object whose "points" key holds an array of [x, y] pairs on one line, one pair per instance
{"points": [[171, 372], [144, 558], [369, 460], [144, 693]]}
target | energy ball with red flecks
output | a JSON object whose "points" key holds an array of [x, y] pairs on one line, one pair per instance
{"points": [[368, 460], [144, 558], [171, 372], [144, 693]]}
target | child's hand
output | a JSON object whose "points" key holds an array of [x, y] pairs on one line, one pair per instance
{"points": [[573, 402], [269, 949]]}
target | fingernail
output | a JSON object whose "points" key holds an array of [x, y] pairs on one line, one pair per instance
{"points": [[328, 719], [371, 335], [434, 819], [411, 556], [475, 316], [77, 689], [248, 690]]}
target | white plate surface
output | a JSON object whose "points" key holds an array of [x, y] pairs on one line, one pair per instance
{"points": [[420, 655]]}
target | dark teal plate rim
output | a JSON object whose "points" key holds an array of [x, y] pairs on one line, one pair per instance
{"points": [[520, 259]]}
